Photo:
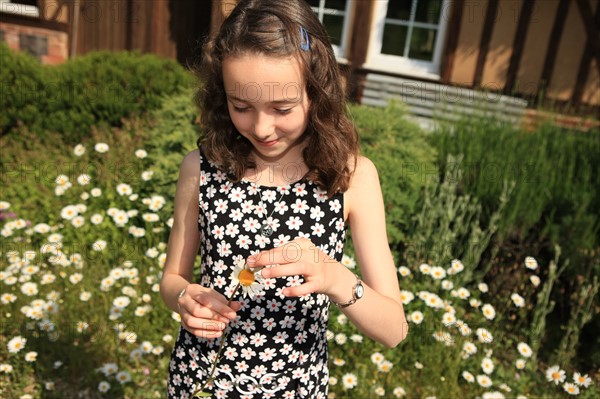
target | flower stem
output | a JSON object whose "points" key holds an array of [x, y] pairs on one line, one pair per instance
{"points": [[200, 392]]}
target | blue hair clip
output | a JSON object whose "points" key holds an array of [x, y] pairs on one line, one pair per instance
{"points": [[304, 40]]}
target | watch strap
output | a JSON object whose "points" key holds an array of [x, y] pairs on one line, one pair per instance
{"points": [[354, 297]]}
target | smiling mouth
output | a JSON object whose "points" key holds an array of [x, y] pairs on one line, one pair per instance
{"points": [[267, 143]]}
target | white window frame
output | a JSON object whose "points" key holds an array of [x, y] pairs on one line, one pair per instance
{"points": [[398, 64], [8, 6], [321, 10]]}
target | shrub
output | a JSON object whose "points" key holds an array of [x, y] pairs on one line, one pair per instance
{"points": [[97, 88], [405, 162]]}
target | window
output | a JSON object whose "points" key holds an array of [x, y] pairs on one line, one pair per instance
{"points": [[22, 7], [334, 15], [408, 36]]}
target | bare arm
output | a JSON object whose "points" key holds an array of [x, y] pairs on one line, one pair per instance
{"points": [[379, 314], [204, 312]]}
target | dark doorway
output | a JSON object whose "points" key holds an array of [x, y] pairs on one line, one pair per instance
{"points": [[189, 26]]}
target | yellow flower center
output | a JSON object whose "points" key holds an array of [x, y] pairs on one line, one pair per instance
{"points": [[246, 277], [555, 375]]}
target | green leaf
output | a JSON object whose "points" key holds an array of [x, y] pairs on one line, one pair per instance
{"points": [[203, 395]]}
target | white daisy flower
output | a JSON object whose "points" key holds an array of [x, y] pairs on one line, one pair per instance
{"points": [[416, 317], [103, 386], [124, 189], [468, 376], [582, 380], [531, 263], [484, 381], [16, 344], [147, 175], [349, 380], [524, 349], [377, 358], [141, 153], [484, 335], [404, 271], [84, 179], [555, 374], [385, 366], [437, 273], [487, 365], [571, 388], [99, 245], [488, 311], [535, 280], [517, 300], [101, 148], [6, 368], [69, 212], [520, 364], [250, 282]]}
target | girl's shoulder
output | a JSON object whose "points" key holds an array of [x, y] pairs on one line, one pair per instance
{"points": [[190, 165], [365, 171], [364, 184]]}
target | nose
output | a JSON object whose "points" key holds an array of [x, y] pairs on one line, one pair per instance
{"points": [[263, 126]]}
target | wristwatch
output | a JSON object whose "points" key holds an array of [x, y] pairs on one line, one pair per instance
{"points": [[357, 292]]}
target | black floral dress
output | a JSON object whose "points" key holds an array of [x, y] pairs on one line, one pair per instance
{"points": [[277, 346]]}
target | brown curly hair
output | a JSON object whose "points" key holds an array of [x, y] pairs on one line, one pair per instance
{"points": [[273, 28]]}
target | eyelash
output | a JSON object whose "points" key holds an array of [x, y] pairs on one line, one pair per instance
{"points": [[279, 111]]}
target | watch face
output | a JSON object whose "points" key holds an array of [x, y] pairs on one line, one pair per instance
{"points": [[359, 291]]}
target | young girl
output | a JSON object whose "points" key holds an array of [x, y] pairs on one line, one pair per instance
{"points": [[267, 198]]}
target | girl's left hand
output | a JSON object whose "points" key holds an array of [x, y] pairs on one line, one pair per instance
{"points": [[297, 257]]}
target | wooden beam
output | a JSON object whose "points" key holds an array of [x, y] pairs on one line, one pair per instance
{"points": [[557, 29], [361, 26], [585, 64], [518, 45], [591, 28], [452, 40], [486, 36], [34, 22]]}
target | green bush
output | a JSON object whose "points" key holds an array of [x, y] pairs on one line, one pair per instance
{"points": [[97, 88], [556, 179], [405, 162]]}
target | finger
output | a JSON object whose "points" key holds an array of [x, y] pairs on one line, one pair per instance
{"points": [[217, 303], [199, 311], [301, 290], [196, 323], [287, 253], [204, 333], [290, 269]]}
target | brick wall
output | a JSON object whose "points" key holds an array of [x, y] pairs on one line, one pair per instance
{"points": [[49, 46]]}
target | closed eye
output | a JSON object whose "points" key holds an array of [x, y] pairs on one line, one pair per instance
{"points": [[283, 111], [241, 109]]}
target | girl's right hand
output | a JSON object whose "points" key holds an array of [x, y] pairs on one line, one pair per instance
{"points": [[204, 311]]}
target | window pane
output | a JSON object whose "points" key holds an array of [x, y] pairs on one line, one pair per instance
{"points": [[399, 9], [334, 25], [336, 4], [314, 3], [394, 37], [428, 11], [421, 44]]}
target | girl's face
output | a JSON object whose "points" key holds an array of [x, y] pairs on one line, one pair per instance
{"points": [[267, 103]]}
